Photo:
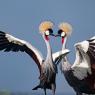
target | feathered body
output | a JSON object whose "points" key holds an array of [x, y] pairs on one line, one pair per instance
{"points": [[48, 76], [81, 75]]}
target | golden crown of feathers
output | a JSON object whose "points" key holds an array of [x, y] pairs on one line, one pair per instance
{"points": [[66, 27], [45, 25]]}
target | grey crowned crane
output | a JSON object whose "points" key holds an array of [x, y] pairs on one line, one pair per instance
{"points": [[47, 67], [81, 75]]}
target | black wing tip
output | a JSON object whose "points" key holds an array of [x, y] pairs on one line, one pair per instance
{"points": [[91, 39], [1, 32]]}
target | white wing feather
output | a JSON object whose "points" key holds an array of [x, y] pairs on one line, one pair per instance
{"points": [[59, 54]]}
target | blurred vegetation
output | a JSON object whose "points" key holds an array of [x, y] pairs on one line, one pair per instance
{"points": [[5, 93]]}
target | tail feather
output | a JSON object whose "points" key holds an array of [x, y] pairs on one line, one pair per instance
{"points": [[35, 88]]}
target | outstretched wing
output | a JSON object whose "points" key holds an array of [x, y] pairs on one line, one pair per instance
{"points": [[57, 56], [11, 43], [84, 66]]}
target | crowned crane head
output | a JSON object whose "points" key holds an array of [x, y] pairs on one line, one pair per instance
{"points": [[45, 29], [65, 30]]}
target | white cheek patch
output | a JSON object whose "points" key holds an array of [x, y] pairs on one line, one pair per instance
{"points": [[62, 34], [47, 32]]}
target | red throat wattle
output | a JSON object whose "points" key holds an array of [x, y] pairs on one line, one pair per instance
{"points": [[62, 40], [47, 37]]}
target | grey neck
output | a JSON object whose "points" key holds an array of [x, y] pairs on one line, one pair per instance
{"points": [[65, 66], [65, 59], [64, 47], [49, 51], [64, 44]]}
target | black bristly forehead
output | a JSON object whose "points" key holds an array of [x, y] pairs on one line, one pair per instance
{"points": [[60, 31], [50, 30]]}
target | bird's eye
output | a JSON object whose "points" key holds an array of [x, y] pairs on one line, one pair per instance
{"points": [[63, 34], [47, 32]]}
